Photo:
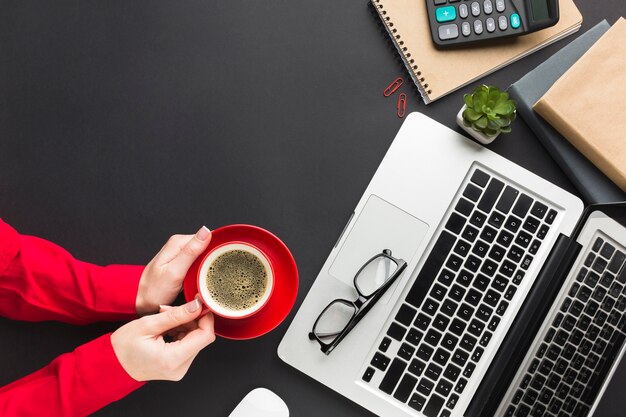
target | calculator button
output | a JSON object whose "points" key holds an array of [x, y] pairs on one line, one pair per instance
{"points": [[478, 26], [500, 6], [466, 29], [503, 23], [440, 2], [488, 7], [463, 11], [491, 25], [446, 14], [475, 9], [515, 21], [448, 32]]}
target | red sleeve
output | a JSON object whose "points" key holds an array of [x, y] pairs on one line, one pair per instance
{"points": [[74, 384], [41, 281]]}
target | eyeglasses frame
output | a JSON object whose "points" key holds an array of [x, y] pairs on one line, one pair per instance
{"points": [[362, 304]]}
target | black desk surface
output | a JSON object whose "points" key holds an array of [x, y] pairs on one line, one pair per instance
{"points": [[124, 122]]}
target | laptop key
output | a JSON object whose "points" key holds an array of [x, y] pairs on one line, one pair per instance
{"points": [[449, 342], [504, 238], [477, 218], [480, 177], [396, 331], [462, 248], [455, 223], [523, 204], [460, 386], [472, 192], [452, 401], [538, 410], [497, 253], [441, 357], [424, 352], [480, 249], [607, 250], [506, 200], [406, 351], [405, 315], [489, 267], [599, 265], [405, 388], [488, 234], [539, 210], [470, 233], [496, 220], [460, 357], [523, 239], [389, 382], [464, 207], [452, 372], [523, 411], [422, 321], [443, 387], [441, 322], [431, 268], [469, 370], [543, 232], [380, 361], [531, 224], [434, 406], [490, 195], [534, 247], [616, 262], [597, 245], [416, 367], [425, 386], [417, 402], [384, 344], [369, 373], [551, 216], [457, 327], [512, 223]]}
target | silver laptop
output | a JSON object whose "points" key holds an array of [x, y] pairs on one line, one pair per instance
{"points": [[461, 262]]}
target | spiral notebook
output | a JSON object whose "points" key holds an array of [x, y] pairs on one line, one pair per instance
{"points": [[440, 72]]}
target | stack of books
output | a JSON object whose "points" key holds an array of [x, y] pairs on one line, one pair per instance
{"points": [[574, 103]]}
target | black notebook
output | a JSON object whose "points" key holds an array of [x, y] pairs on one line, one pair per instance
{"points": [[592, 184]]}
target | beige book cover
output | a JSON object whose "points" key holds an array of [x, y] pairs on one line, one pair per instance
{"points": [[439, 72], [587, 104]]}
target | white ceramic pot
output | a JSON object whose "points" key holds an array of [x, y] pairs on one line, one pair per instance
{"points": [[479, 136]]}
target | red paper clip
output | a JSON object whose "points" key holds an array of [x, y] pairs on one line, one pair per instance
{"points": [[393, 87], [401, 105]]}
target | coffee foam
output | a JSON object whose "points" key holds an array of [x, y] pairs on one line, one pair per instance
{"points": [[236, 280]]}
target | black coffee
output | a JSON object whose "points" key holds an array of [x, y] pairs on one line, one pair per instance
{"points": [[236, 280]]}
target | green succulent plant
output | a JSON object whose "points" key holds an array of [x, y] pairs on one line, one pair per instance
{"points": [[489, 110]]}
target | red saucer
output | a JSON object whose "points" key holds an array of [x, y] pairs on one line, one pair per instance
{"points": [[285, 282]]}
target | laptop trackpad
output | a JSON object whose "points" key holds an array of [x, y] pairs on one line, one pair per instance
{"points": [[380, 225]]}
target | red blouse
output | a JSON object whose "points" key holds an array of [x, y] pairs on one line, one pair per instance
{"points": [[40, 281]]}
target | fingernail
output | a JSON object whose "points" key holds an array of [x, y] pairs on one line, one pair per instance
{"points": [[203, 233], [192, 306]]}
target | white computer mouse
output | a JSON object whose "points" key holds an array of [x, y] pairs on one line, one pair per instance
{"points": [[261, 402]]}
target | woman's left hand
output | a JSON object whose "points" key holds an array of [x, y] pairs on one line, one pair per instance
{"points": [[163, 277]]}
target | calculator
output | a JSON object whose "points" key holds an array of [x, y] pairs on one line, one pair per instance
{"points": [[456, 22]]}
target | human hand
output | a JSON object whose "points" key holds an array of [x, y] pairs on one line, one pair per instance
{"points": [[162, 279], [143, 352]]}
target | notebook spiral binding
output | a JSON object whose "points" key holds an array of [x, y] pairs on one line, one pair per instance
{"points": [[409, 62]]}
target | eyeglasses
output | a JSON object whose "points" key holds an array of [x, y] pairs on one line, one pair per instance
{"points": [[340, 316]]}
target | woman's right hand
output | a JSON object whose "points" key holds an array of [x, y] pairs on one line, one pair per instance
{"points": [[143, 352]]}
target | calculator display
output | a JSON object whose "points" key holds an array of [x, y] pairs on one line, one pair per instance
{"points": [[540, 9]]}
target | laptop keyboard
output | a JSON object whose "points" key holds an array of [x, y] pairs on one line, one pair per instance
{"points": [[446, 322], [580, 347]]}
